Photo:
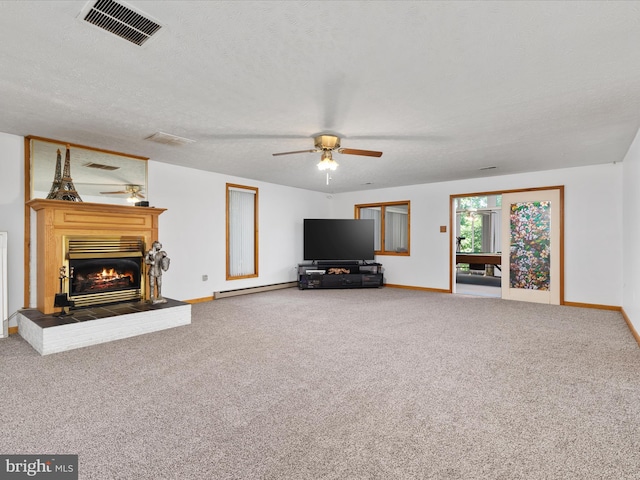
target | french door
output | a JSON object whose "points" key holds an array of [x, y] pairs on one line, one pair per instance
{"points": [[531, 246]]}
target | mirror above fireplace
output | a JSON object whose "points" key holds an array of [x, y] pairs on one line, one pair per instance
{"points": [[99, 176]]}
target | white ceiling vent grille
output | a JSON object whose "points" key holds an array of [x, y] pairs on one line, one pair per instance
{"points": [[122, 21], [169, 139], [100, 166]]}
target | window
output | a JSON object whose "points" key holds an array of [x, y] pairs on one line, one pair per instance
{"points": [[391, 221], [478, 224], [242, 232]]}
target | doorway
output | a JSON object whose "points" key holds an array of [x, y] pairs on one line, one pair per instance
{"points": [[477, 245], [509, 244]]}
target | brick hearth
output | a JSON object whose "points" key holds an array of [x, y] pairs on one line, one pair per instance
{"points": [[91, 326]]}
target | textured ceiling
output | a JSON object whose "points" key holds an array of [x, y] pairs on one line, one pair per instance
{"points": [[444, 89]]}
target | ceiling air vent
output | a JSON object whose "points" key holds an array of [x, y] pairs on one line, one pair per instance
{"points": [[169, 139], [122, 21], [100, 166]]}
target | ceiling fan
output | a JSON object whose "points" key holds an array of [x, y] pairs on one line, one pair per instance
{"points": [[134, 192], [330, 143]]}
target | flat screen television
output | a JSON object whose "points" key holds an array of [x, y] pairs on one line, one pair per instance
{"points": [[338, 239]]}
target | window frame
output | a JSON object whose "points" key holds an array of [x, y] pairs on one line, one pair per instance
{"points": [[229, 187], [383, 207]]}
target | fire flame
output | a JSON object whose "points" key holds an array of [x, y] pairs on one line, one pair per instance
{"points": [[109, 274]]}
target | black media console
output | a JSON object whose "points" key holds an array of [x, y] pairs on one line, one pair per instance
{"points": [[339, 275]]}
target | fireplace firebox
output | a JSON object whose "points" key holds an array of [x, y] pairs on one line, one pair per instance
{"points": [[104, 270]]}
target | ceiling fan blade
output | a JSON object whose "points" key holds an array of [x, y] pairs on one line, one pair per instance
{"points": [[353, 151], [104, 184], [114, 193], [297, 151]]}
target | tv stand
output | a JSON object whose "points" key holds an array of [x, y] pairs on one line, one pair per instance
{"points": [[348, 274]]}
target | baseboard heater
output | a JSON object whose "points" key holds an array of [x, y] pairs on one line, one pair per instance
{"points": [[246, 291]]}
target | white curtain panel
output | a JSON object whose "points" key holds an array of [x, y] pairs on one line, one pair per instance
{"points": [[495, 232], [370, 213], [241, 232], [396, 229], [487, 240]]}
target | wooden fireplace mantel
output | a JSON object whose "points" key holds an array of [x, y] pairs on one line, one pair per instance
{"points": [[58, 218]]}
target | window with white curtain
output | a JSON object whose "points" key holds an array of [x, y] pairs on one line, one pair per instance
{"points": [[396, 237], [391, 221], [242, 231], [375, 214]]}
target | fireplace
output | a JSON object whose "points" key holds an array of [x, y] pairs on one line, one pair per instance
{"points": [[104, 270], [105, 245], [98, 233]]}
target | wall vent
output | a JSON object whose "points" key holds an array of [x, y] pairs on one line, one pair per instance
{"points": [[168, 139], [122, 21]]}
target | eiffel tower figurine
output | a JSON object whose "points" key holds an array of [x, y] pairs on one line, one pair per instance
{"points": [[57, 180], [62, 187]]}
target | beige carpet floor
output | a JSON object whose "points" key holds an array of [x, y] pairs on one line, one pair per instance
{"points": [[339, 384]]}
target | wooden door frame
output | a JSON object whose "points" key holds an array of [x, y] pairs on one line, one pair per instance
{"points": [[452, 226]]}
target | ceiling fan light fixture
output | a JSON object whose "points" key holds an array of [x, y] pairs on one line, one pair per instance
{"points": [[327, 162]]}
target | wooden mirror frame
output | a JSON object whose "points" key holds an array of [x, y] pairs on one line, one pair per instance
{"points": [[93, 170], [134, 162]]}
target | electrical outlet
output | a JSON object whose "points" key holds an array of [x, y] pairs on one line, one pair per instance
{"points": [[205, 278]]}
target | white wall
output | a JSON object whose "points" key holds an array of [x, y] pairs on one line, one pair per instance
{"points": [[193, 233], [631, 235], [12, 215], [192, 230], [593, 228]]}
